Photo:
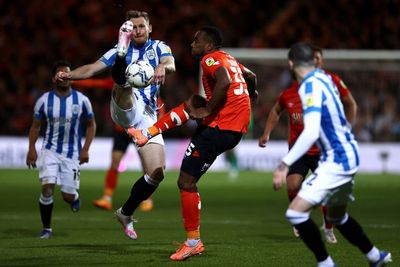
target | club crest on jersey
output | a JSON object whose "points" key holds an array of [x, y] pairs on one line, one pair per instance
{"points": [[210, 61], [150, 54], [75, 109]]}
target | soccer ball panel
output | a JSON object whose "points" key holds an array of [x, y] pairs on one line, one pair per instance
{"points": [[139, 74]]}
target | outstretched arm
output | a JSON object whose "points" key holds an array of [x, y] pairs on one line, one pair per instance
{"points": [[83, 72], [272, 120]]}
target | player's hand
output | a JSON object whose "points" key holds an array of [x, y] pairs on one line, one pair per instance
{"points": [[159, 74], [84, 156], [262, 141], [279, 176], [199, 113], [31, 158], [62, 76]]}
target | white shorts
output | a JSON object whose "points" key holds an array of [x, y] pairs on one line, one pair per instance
{"points": [[140, 116], [57, 169], [327, 187]]}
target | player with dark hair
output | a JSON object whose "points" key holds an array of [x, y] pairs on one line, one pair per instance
{"points": [[332, 182], [135, 107], [224, 116], [289, 100], [62, 110]]}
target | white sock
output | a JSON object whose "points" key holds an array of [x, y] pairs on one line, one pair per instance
{"points": [[192, 242], [108, 198], [373, 255], [326, 263]]}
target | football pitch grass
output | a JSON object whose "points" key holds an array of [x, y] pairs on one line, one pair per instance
{"points": [[242, 223]]}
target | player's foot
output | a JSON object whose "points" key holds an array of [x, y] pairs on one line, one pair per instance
{"points": [[103, 204], [146, 205], [295, 232], [139, 137], [330, 236], [127, 224], [124, 38], [76, 205], [45, 233], [384, 259], [185, 251]]}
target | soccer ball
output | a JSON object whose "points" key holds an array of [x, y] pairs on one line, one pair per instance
{"points": [[139, 74]]}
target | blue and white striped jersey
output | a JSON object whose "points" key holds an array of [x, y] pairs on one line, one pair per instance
{"points": [[63, 117], [152, 52], [325, 120]]}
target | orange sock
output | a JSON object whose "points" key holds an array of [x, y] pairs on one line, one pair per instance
{"points": [[191, 206], [111, 182], [324, 211], [175, 117]]}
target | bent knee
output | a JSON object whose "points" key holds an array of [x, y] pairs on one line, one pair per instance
{"points": [[158, 174], [187, 184], [297, 217], [337, 221]]}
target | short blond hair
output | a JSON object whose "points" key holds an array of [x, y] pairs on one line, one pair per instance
{"points": [[133, 14]]}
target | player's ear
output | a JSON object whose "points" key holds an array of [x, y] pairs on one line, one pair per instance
{"points": [[209, 46], [291, 64], [150, 28]]}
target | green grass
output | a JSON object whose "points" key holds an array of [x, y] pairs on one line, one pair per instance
{"points": [[242, 224]]}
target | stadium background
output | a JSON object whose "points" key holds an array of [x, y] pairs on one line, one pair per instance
{"points": [[81, 31], [244, 224]]}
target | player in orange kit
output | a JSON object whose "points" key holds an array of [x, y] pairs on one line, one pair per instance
{"points": [[224, 116], [289, 100]]}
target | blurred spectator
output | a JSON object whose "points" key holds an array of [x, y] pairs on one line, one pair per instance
{"points": [[32, 39]]}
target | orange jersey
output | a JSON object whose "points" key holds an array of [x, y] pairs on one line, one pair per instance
{"points": [[234, 113], [341, 86], [289, 99]]}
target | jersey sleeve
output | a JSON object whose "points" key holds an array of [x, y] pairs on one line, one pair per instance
{"points": [[211, 63], [281, 100], [87, 110], [38, 110], [311, 99], [163, 50], [109, 57], [341, 86]]}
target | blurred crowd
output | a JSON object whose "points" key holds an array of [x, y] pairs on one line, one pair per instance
{"points": [[34, 34]]}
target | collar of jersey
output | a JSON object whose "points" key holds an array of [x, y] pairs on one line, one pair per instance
{"points": [[141, 47]]}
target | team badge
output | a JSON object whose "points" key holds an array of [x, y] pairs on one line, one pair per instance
{"points": [[75, 109], [150, 54], [210, 61]]}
